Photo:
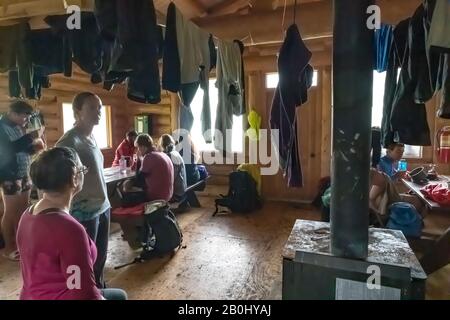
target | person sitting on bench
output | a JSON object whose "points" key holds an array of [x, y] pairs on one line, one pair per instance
{"points": [[54, 247], [155, 172], [167, 145], [191, 159], [126, 150]]}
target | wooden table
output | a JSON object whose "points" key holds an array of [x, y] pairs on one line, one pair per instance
{"points": [[414, 187], [113, 177]]}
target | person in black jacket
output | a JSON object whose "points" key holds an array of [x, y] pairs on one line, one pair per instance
{"points": [[16, 149]]}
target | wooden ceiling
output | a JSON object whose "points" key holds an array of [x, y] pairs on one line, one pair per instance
{"points": [[254, 21]]}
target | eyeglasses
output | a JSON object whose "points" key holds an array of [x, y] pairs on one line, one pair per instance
{"points": [[83, 170]]}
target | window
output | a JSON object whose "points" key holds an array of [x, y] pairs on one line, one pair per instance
{"points": [[102, 132], [196, 132], [272, 80], [377, 112]]}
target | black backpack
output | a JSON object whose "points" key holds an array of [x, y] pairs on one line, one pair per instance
{"points": [[160, 233], [242, 195]]}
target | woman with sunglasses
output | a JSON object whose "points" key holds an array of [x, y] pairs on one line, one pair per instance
{"points": [[57, 255]]}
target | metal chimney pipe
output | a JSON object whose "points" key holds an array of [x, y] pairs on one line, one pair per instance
{"points": [[352, 114]]}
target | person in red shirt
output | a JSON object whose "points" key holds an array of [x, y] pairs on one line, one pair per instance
{"points": [[127, 149], [57, 255]]}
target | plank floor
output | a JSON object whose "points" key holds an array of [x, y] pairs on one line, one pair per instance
{"points": [[226, 257]]}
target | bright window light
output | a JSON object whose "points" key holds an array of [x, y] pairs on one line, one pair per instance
{"points": [[377, 112], [101, 132], [196, 132], [272, 80]]}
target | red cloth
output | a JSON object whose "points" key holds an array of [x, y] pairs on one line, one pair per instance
{"points": [[125, 149], [133, 211], [50, 245], [438, 193], [159, 175]]}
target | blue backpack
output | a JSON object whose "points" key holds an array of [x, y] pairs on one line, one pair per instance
{"points": [[404, 217]]}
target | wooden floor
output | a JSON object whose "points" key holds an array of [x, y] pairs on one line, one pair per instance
{"points": [[226, 257]]}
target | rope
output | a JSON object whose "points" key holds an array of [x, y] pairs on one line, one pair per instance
{"points": [[295, 12], [284, 18]]}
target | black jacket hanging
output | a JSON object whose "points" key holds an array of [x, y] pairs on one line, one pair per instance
{"points": [[295, 79]]}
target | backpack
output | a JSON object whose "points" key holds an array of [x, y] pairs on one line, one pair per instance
{"points": [[403, 216], [242, 195], [160, 233]]}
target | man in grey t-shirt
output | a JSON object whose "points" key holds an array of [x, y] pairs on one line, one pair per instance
{"points": [[91, 206]]}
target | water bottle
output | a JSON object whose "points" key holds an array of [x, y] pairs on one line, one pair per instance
{"points": [[123, 165], [403, 165]]}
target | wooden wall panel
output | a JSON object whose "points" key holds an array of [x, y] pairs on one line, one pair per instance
{"points": [[122, 110], [314, 133]]}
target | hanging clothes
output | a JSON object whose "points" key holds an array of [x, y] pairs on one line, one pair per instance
{"points": [[15, 57], [444, 109], [376, 146], [230, 84], [383, 42], [189, 56], [439, 38], [132, 34], [295, 79], [423, 73], [82, 46]]}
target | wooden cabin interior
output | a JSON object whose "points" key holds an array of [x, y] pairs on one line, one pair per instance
{"points": [[236, 256]]}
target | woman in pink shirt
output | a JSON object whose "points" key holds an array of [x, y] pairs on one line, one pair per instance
{"points": [[57, 255], [156, 170]]}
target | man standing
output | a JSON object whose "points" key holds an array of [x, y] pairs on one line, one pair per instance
{"points": [[90, 206]]}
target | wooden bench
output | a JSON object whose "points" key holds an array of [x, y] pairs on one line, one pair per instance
{"points": [[190, 198]]}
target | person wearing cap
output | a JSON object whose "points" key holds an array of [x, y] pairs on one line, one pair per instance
{"points": [[16, 148]]}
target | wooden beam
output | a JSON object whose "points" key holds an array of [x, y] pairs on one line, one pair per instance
{"points": [[269, 63], [28, 9], [228, 7], [313, 18]]}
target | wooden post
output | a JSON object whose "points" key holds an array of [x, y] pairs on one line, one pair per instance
{"points": [[353, 85]]}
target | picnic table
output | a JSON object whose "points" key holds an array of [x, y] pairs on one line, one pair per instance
{"points": [[114, 176]]}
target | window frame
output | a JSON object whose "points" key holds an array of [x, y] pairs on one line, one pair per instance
{"points": [[214, 152], [423, 153], [108, 114]]}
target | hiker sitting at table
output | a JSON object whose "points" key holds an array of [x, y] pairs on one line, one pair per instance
{"points": [[51, 242], [384, 193], [389, 163], [167, 145], [127, 150], [191, 157], [155, 173]]}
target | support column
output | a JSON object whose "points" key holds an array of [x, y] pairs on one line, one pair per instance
{"points": [[352, 112]]}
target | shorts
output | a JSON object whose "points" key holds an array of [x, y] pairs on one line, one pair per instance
{"points": [[17, 187]]}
